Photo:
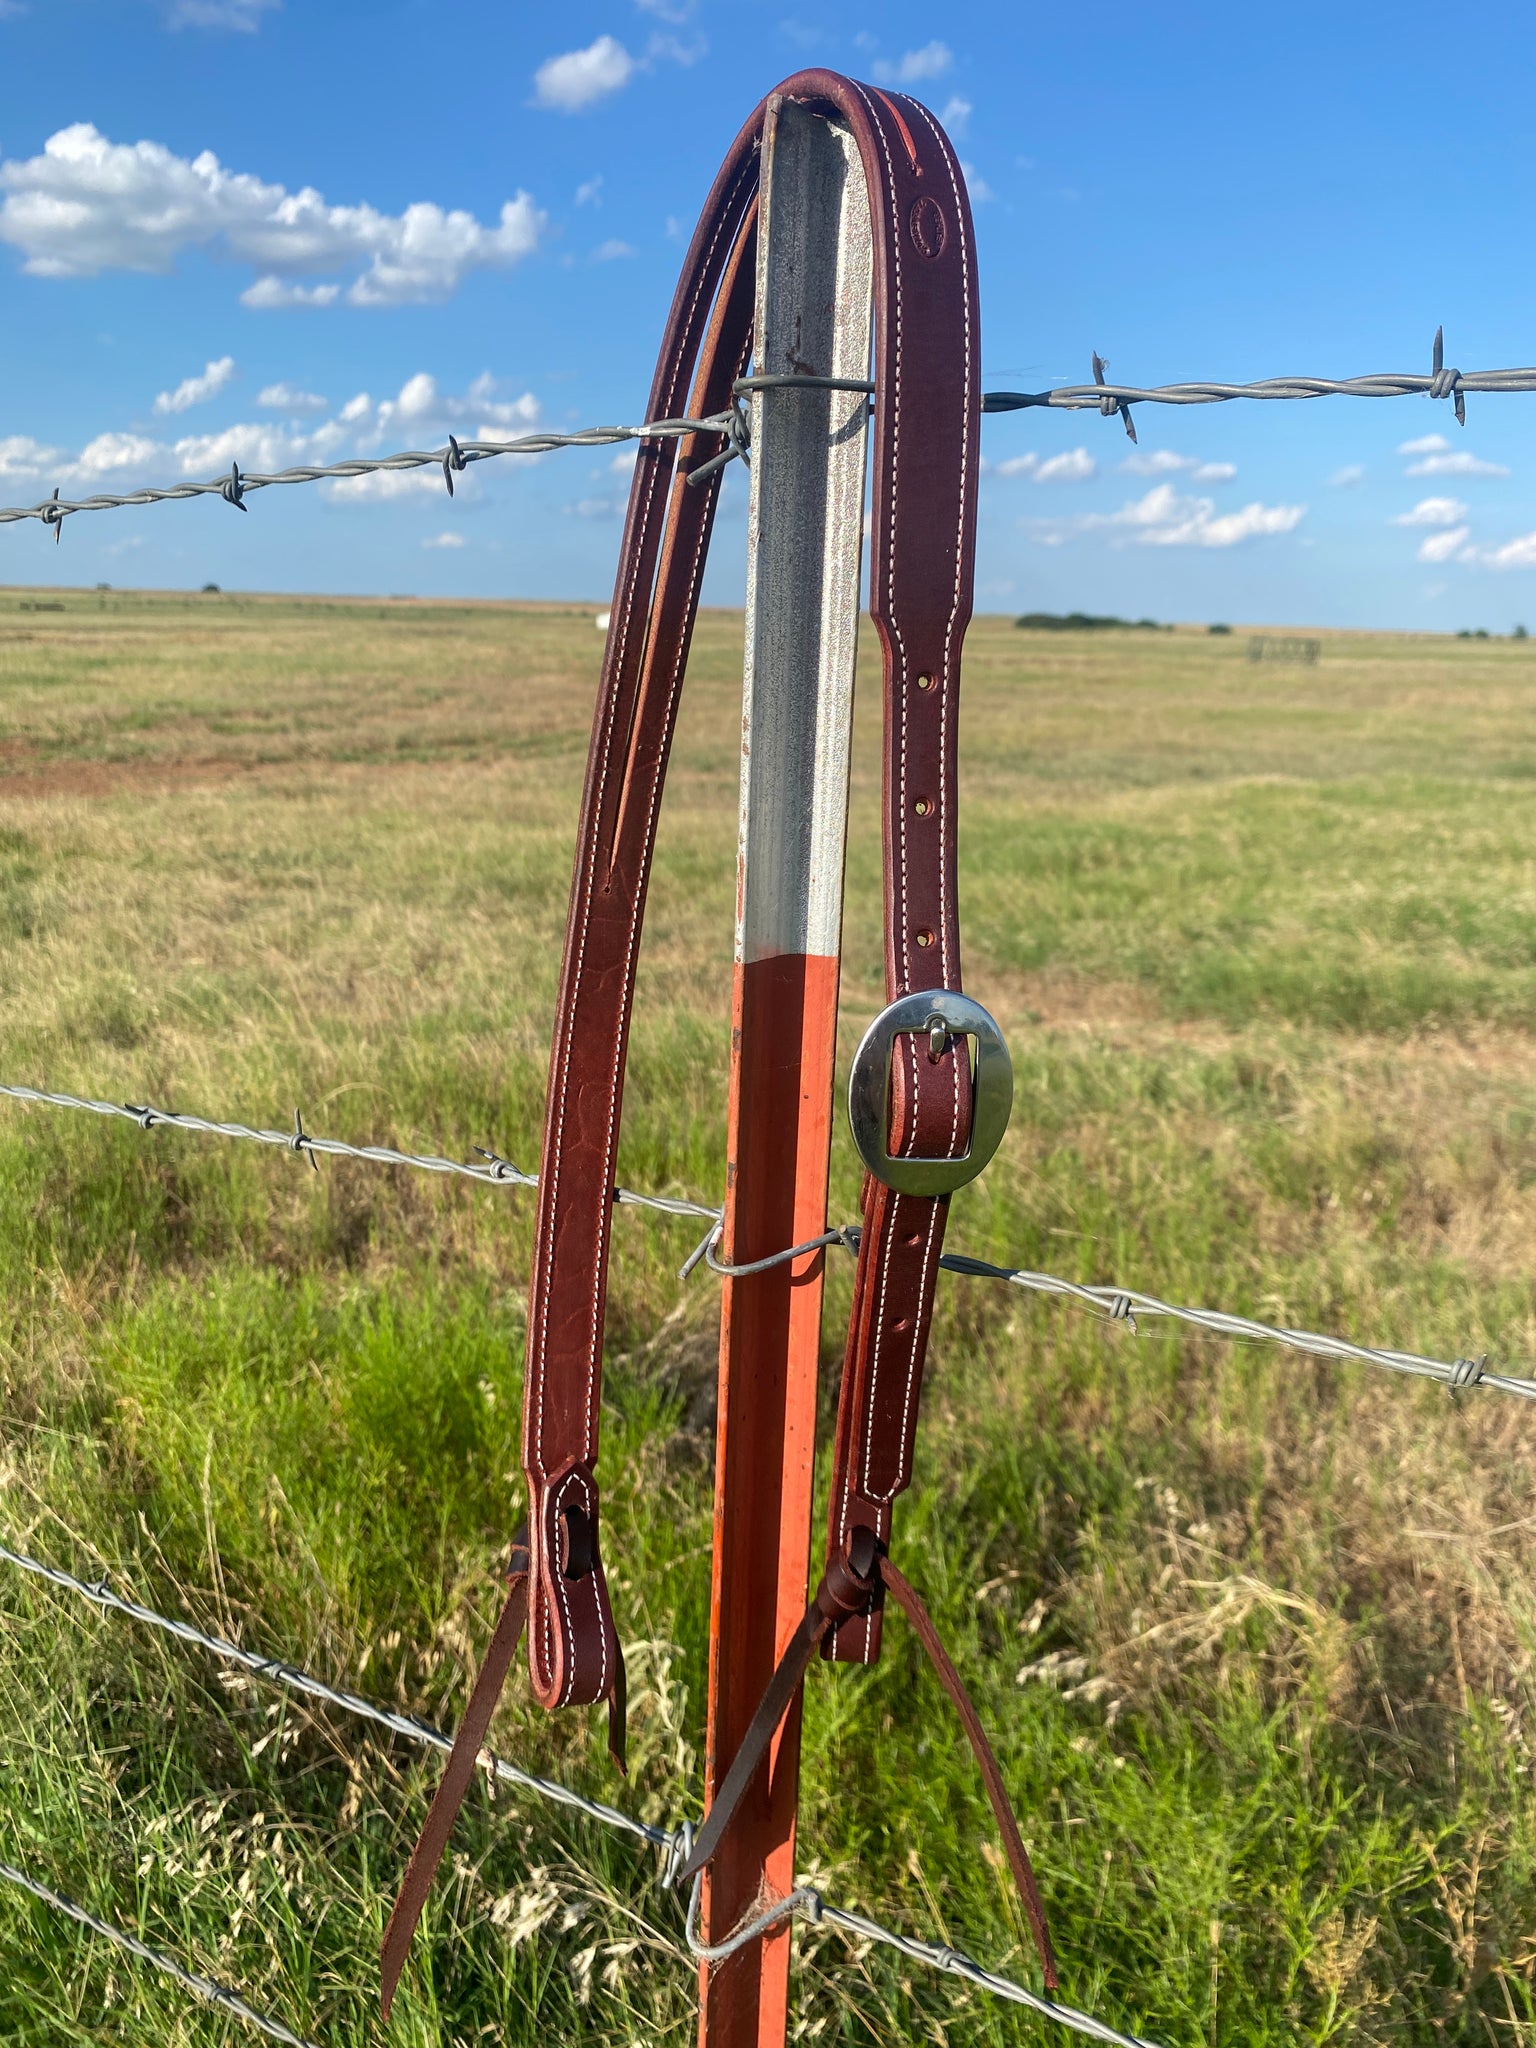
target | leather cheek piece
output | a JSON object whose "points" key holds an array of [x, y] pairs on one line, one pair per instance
{"points": [[573, 1653]]}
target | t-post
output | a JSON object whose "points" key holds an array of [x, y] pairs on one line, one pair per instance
{"points": [[813, 318]]}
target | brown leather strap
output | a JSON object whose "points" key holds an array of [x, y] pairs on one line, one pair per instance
{"points": [[850, 1585], [457, 1773], [991, 1775]]}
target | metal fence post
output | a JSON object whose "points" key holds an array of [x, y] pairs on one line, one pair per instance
{"points": [[803, 562]]}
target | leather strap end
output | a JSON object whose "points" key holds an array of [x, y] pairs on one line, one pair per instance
{"points": [[457, 1773], [618, 1716], [991, 1775], [844, 1589]]}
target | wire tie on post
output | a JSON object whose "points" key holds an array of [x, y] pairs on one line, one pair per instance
{"points": [[1109, 405], [1444, 383], [701, 1250], [232, 490], [452, 460]]}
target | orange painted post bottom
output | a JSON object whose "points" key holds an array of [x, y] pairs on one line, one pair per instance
{"points": [[783, 1049]]}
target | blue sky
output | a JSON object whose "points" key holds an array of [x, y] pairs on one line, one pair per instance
{"points": [[285, 229]]}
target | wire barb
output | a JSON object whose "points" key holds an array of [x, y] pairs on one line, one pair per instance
{"points": [[232, 490], [1109, 406], [1444, 383]]}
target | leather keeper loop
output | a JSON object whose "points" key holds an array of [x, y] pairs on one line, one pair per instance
{"points": [[573, 1651]]}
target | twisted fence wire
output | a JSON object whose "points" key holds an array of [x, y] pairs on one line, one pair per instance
{"points": [[189, 1980], [1117, 1304], [1112, 400], [674, 1843]]}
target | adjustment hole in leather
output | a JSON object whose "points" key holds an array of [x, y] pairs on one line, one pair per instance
{"points": [[901, 1327], [580, 1544], [914, 1240], [924, 806], [924, 936], [926, 682]]}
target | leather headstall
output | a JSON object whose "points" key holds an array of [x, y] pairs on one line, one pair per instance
{"points": [[926, 420]]}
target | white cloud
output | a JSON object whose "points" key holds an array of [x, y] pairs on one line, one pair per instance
{"points": [[1440, 547], [1163, 519], [956, 115], [931, 61], [272, 295], [419, 404], [256, 444], [1433, 512], [384, 486], [623, 464], [445, 540], [1346, 478], [667, 10], [1515, 554], [975, 184], [109, 452], [590, 193], [1164, 462], [290, 398], [20, 455], [580, 78], [244, 16], [197, 390], [1074, 466], [356, 408], [1457, 463], [1426, 444], [612, 251], [88, 204], [597, 508]]}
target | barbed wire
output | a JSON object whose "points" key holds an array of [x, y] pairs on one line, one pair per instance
{"points": [[458, 456], [803, 1902], [189, 1980], [496, 1171], [1117, 1304], [1109, 399]]}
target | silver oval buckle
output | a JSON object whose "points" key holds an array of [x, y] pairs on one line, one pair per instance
{"points": [[941, 1014]]}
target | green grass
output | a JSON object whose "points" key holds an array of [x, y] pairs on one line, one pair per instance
{"points": [[1254, 1636]]}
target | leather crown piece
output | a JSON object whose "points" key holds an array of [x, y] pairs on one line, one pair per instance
{"points": [[926, 421]]}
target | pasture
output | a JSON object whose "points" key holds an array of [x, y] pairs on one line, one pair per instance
{"points": [[1253, 1634]]}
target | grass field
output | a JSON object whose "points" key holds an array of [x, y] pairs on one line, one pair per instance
{"points": [[1253, 1635]]}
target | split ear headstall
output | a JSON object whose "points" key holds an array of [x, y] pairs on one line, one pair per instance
{"points": [[923, 1122]]}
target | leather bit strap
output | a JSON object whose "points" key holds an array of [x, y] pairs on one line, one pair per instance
{"points": [[468, 1742], [848, 1586]]}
